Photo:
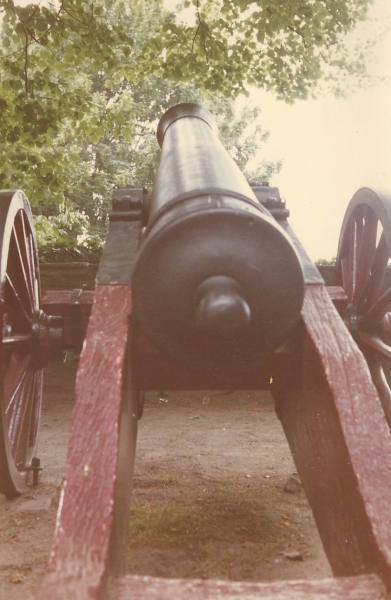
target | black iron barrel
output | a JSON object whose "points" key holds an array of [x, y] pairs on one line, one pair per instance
{"points": [[217, 281]]}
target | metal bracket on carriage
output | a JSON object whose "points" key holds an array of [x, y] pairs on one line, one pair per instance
{"points": [[35, 468], [130, 204], [74, 308], [75, 315], [46, 338], [270, 198]]}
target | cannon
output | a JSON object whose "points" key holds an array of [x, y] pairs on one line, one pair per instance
{"points": [[216, 279], [204, 285]]}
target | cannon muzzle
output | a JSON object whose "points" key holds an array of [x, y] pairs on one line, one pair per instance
{"points": [[217, 281]]}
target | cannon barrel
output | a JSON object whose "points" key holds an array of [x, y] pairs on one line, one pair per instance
{"points": [[217, 281]]}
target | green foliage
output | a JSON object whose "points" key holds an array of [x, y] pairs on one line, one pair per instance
{"points": [[67, 237], [72, 71], [325, 261], [102, 166], [46, 93], [133, 160], [83, 83], [243, 136], [283, 47]]}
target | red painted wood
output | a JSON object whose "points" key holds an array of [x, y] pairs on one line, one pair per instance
{"points": [[341, 443], [80, 558], [334, 424], [156, 371], [349, 588], [153, 370]]}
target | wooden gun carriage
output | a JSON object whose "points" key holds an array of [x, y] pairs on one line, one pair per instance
{"points": [[205, 286]]}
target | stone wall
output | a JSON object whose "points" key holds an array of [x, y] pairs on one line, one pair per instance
{"points": [[68, 276]]}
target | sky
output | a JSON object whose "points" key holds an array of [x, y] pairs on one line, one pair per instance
{"points": [[331, 147]]}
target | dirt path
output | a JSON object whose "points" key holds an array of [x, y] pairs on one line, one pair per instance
{"points": [[215, 493]]}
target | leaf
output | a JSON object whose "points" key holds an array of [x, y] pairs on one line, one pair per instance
{"points": [[80, 115]]}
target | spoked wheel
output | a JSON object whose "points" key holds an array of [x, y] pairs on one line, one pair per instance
{"points": [[363, 256], [21, 377]]}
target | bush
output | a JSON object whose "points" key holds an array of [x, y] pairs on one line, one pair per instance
{"points": [[68, 237], [325, 261]]}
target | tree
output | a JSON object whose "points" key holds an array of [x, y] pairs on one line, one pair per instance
{"points": [[273, 44], [47, 55], [67, 237], [84, 82], [45, 94], [281, 46], [68, 112], [107, 138], [118, 159], [76, 228]]}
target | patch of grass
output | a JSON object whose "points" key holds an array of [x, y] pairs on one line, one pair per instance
{"points": [[219, 528], [224, 512], [169, 480], [163, 524]]}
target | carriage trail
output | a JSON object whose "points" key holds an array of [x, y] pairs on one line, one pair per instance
{"points": [[215, 493]]}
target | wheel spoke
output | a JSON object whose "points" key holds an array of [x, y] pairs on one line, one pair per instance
{"points": [[25, 236], [385, 328], [35, 285], [18, 407], [17, 367], [13, 341], [376, 343], [351, 261], [370, 229], [379, 267], [374, 315], [365, 249], [369, 235], [36, 410], [33, 260], [347, 276], [374, 282], [22, 267], [21, 424], [21, 395], [21, 407], [380, 383], [17, 298], [359, 249]]}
